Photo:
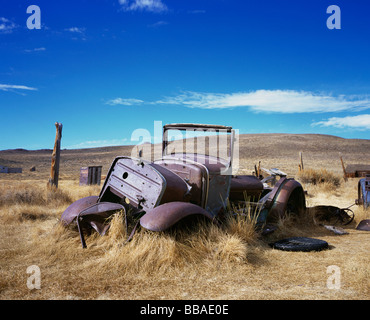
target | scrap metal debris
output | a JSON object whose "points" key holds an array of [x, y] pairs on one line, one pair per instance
{"points": [[364, 225], [336, 230]]}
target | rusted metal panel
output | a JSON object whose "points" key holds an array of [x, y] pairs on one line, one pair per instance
{"points": [[176, 188], [215, 165], [166, 215], [357, 170], [90, 175], [248, 184], [203, 173], [97, 214], [89, 213], [364, 225], [195, 174], [84, 176], [135, 182], [217, 199], [142, 184], [288, 195], [76, 207]]}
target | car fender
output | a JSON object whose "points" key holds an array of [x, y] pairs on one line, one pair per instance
{"points": [[89, 211], [286, 192], [71, 213], [290, 193], [166, 215]]}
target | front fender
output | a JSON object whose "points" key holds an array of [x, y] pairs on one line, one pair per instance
{"points": [[72, 212], [166, 215]]}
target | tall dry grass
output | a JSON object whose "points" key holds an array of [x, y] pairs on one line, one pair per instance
{"points": [[195, 246], [199, 261], [36, 201], [319, 177]]}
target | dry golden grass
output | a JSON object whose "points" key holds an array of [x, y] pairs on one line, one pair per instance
{"points": [[228, 262], [231, 261], [321, 177]]}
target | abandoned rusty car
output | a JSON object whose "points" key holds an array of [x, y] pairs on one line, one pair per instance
{"points": [[160, 193]]}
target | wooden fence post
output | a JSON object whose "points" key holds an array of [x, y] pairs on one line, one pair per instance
{"points": [[301, 162], [55, 158], [344, 170]]}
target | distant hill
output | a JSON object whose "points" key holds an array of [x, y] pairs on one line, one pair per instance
{"points": [[273, 150]]}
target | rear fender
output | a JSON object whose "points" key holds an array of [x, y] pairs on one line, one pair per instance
{"points": [[168, 214], [287, 195]]}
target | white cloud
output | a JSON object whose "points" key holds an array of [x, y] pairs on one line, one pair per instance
{"points": [[143, 5], [124, 102], [361, 122], [15, 88], [6, 26], [275, 101]]}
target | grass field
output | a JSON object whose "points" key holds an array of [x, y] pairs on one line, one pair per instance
{"points": [[208, 262]]}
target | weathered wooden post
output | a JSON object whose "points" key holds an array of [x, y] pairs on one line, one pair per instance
{"points": [[55, 158], [301, 162], [344, 170]]}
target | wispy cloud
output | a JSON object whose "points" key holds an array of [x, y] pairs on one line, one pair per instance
{"points": [[98, 143], [35, 50], [360, 122], [15, 88], [7, 26], [158, 24], [77, 33], [124, 102], [271, 101], [196, 11], [143, 5], [76, 30]]}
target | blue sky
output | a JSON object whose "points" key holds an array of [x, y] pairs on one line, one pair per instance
{"points": [[105, 68]]}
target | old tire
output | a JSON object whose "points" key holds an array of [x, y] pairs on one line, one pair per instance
{"points": [[300, 244]]}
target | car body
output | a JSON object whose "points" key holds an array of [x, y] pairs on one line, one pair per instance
{"points": [[177, 185]]}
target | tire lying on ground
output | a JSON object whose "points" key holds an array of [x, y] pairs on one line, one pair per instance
{"points": [[300, 244]]}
